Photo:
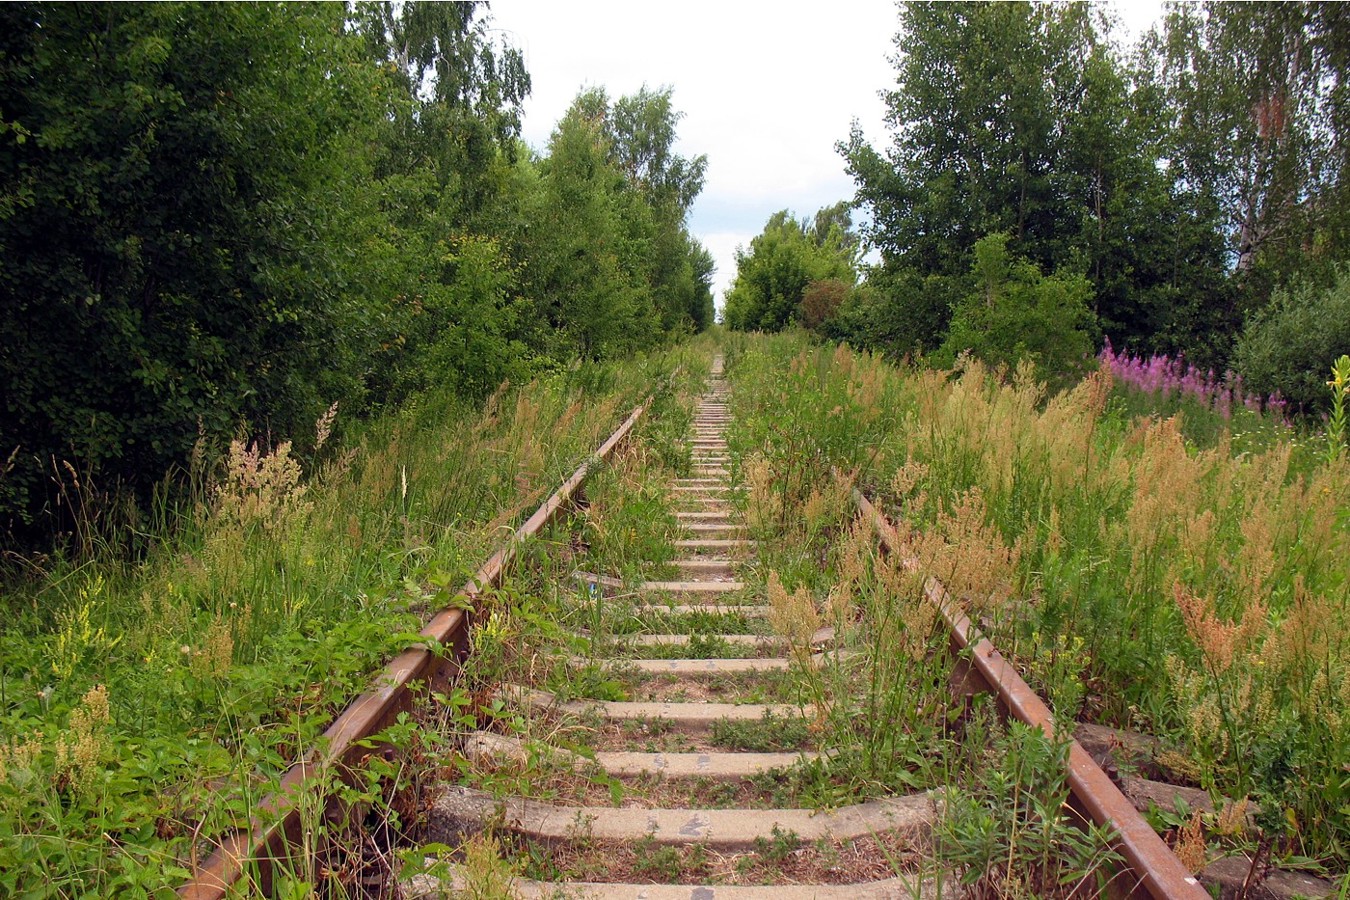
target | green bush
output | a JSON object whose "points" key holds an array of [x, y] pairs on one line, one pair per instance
{"points": [[772, 278], [176, 202], [1288, 346], [1017, 313], [897, 311]]}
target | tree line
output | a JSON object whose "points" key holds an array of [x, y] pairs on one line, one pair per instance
{"points": [[221, 219], [1044, 190]]}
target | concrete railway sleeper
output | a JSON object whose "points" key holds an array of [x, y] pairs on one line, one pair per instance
{"points": [[689, 721]]}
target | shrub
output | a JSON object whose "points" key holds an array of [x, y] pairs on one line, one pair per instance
{"points": [[822, 300], [898, 312], [1287, 346], [1017, 313], [773, 277]]}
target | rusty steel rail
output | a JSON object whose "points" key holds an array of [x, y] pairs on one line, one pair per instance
{"points": [[278, 822], [1159, 873]]}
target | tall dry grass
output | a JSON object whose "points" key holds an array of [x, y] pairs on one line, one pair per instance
{"points": [[1141, 579]]}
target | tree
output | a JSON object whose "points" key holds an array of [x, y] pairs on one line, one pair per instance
{"points": [[1017, 313], [456, 93], [974, 128], [702, 308], [178, 185], [899, 312], [583, 269], [611, 263], [1020, 119], [784, 260], [223, 218], [445, 151], [1257, 97], [821, 302], [642, 128], [835, 218]]}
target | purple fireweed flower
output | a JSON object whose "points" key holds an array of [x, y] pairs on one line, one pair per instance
{"points": [[1166, 377]]}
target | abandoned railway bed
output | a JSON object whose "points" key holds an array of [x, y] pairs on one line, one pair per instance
{"points": [[645, 706]]}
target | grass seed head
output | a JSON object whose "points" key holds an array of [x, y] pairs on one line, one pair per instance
{"points": [[1232, 818], [764, 504], [1190, 846], [81, 748], [216, 654], [20, 755], [1214, 637], [261, 488], [792, 615], [908, 477], [323, 427], [974, 561]]}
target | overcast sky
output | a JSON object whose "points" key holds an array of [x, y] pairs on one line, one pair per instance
{"points": [[766, 89]]}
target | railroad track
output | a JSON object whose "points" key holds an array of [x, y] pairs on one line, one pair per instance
{"points": [[697, 751], [677, 789], [688, 748]]}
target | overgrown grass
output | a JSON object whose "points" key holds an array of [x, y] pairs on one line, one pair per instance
{"points": [[1146, 570], [145, 707], [878, 702]]}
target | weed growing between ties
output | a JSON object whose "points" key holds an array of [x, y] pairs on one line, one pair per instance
{"points": [[1141, 573], [541, 628], [867, 648], [781, 858], [771, 734], [897, 722], [628, 529], [146, 709], [1004, 832]]}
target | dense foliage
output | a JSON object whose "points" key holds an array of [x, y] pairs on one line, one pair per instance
{"points": [[784, 263], [1288, 345], [1188, 181], [1018, 314], [220, 216], [617, 265]]}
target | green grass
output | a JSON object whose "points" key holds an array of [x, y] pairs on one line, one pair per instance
{"points": [[700, 646], [694, 622], [770, 734], [147, 705]]}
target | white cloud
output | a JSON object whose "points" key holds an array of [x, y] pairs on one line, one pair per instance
{"points": [[722, 245]]}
